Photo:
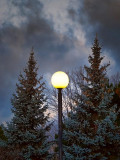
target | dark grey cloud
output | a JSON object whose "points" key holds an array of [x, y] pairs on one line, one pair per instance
{"points": [[103, 18], [16, 42], [25, 25]]}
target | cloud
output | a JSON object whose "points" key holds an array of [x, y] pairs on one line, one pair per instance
{"points": [[59, 31], [23, 24], [100, 17]]}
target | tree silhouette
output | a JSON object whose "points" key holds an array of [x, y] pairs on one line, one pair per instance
{"points": [[26, 133], [91, 131]]}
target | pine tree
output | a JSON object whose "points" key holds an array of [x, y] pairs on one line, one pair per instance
{"points": [[91, 131], [116, 99], [26, 133], [2, 136]]}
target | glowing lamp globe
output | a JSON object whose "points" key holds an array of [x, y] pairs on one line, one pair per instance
{"points": [[60, 80]]}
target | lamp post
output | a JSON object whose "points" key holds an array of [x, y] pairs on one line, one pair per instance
{"points": [[60, 80]]}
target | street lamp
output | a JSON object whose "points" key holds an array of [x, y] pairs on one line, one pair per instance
{"points": [[60, 80]]}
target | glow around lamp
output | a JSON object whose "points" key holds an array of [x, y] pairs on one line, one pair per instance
{"points": [[60, 80]]}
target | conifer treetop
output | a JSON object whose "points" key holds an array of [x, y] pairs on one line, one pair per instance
{"points": [[96, 71], [95, 77]]}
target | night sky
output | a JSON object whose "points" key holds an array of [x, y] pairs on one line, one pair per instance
{"points": [[61, 32]]}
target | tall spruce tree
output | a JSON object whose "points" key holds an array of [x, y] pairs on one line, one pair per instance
{"points": [[116, 99], [26, 133], [91, 131]]}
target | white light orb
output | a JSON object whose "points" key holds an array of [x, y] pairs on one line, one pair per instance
{"points": [[60, 80]]}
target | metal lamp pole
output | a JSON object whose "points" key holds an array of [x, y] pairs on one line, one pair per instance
{"points": [[59, 81], [60, 123]]}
